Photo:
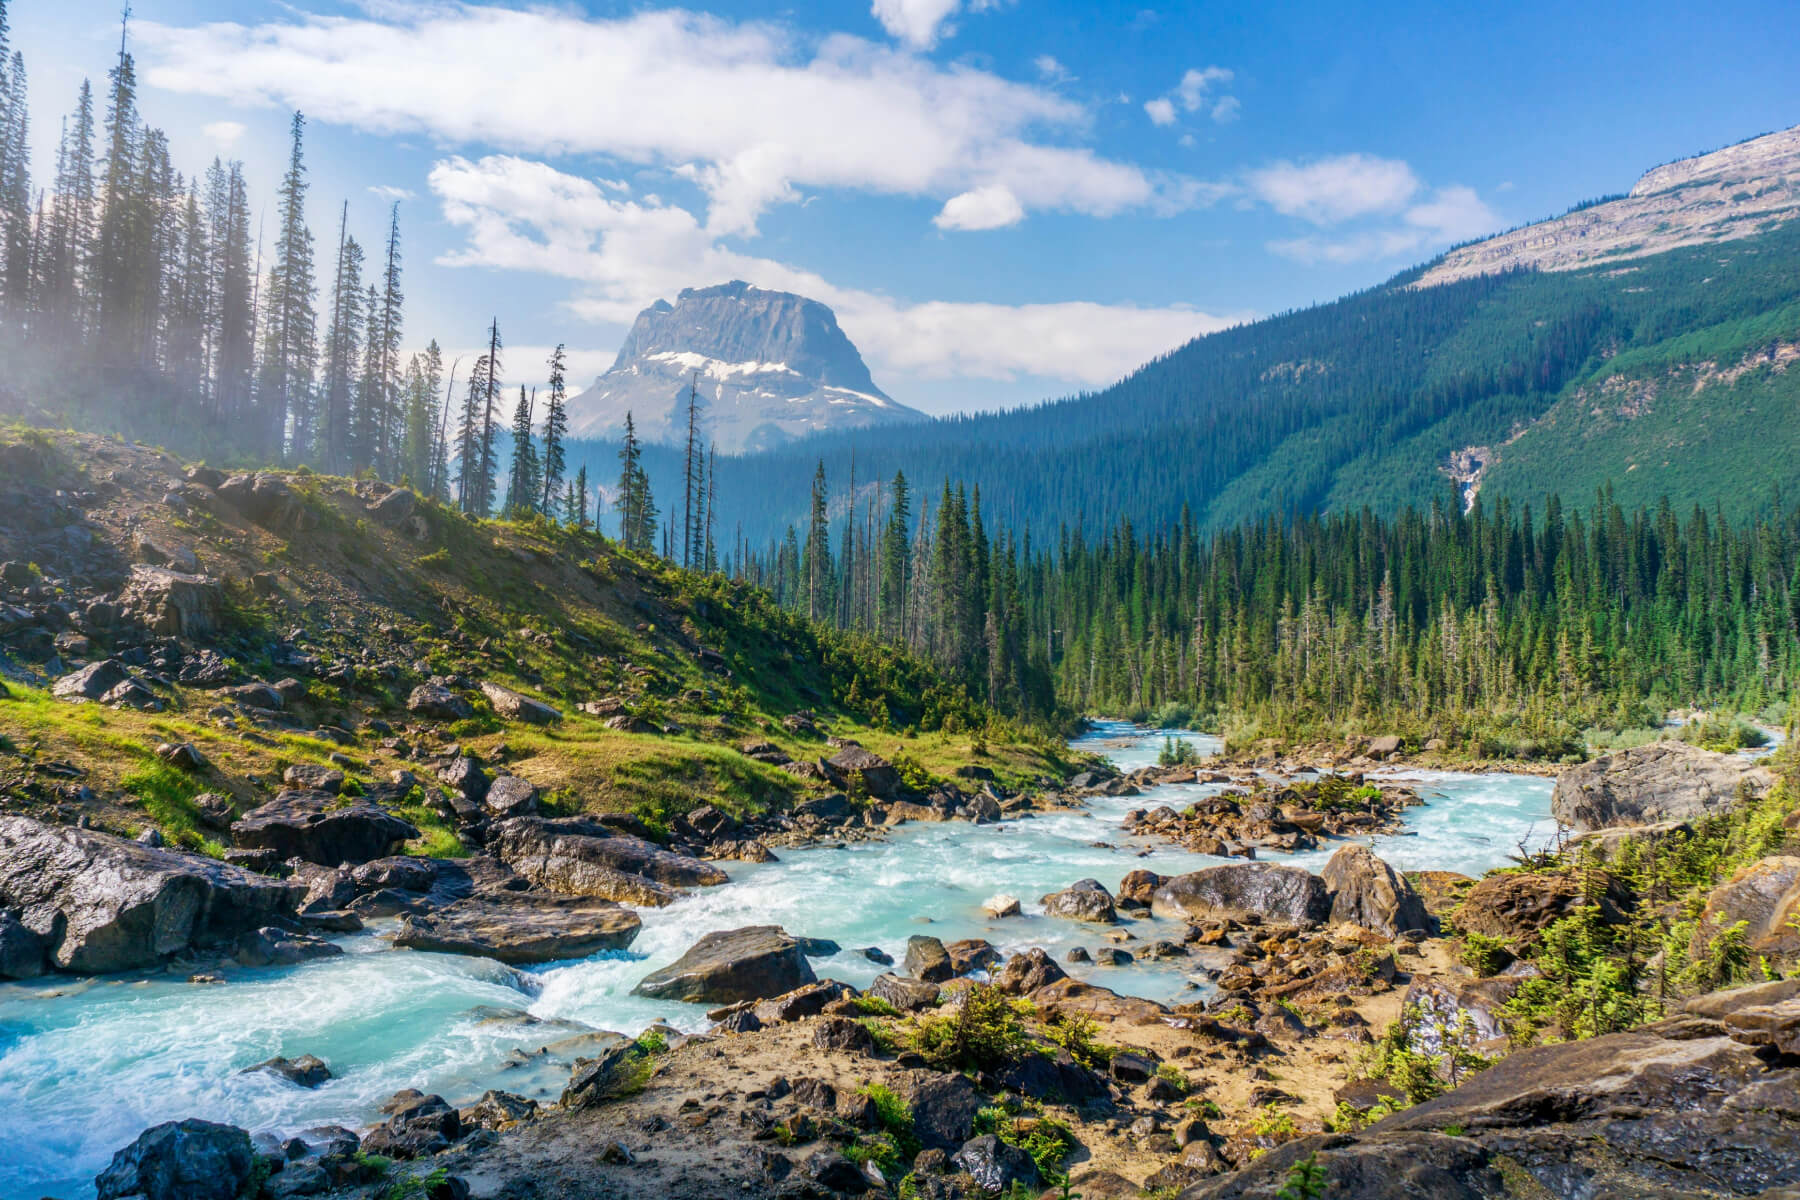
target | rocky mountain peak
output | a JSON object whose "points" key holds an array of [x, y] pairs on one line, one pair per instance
{"points": [[770, 367]]}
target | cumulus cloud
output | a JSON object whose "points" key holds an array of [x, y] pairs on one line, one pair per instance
{"points": [[1449, 214], [1197, 91], [991, 207], [1050, 70], [388, 191], [223, 134], [625, 252], [1335, 189], [915, 22], [752, 112]]}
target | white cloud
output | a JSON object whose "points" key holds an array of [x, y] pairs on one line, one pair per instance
{"points": [[528, 216], [223, 134], [1197, 91], [754, 113], [1335, 189], [915, 22], [1450, 214], [1050, 70], [1195, 84], [991, 207], [388, 191]]}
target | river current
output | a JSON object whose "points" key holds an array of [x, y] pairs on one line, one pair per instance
{"points": [[86, 1065]]}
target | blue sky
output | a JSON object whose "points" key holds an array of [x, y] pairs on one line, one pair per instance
{"points": [[1003, 199]]}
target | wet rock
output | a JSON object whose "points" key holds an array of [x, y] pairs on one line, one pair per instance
{"points": [[22, 951], [583, 857], [1263, 891], [180, 1160], [1000, 906], [1664, 781], [274, 947], [516, 707], [438, 703], [321, 828], [996, 1166], [927, 960], [102, 903], [725, 966], [1084, 900], [521, 927], [305, 1071], [969, 955], [418, 1125], [1366, 891]]}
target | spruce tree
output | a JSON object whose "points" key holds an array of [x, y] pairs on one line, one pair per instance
{"points": [[556, 428], [385, 327], [289, 350], [578, 511], [338, 445], [16, 239], [525, 480], [489, 463], [115, 246]]}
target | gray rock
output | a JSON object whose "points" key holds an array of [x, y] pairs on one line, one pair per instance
{"points": [[173, 603], [274, 947], [438, 703], [1239, 890], [995, 1166], [321, 828], [22, 951], [521, 927], [1647, 785], [92, 681], [1084, 900], [927, 960], [510, 796], [904, 994], [515, 707], [180, 1160], [595, 1080], [1366, 891], [855, 765], [584, 857], [727, 966], [418, 1125], [943, 1107], [103, 904], [305, 1071], [314, 777]]}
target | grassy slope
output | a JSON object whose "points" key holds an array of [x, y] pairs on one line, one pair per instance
{"points": [[553, 613]]}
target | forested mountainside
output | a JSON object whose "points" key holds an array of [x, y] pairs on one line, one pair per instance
{"points": [[1666, 376]]}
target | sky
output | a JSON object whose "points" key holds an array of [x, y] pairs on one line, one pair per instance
{"points": [[1003, 200]]}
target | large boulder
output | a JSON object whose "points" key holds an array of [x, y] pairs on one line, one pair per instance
{"points": [[1027, 972], [927, 959], [1263, 891], [579, 856], [1458, 1014], [1648, 785], [1366, 891], [855, 765], [22, 951], [727, 966], [943, 1108], [321, 828], [1084, 900], [181, 1160], [173, 603], [521, 927], [439, 703], [1695, 1106], [516, 707], [1765, 897], [100, 903], [91, 682], [1516, 907]]}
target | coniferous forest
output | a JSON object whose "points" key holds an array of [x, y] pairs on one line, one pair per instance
{"points": [[144, 299]]}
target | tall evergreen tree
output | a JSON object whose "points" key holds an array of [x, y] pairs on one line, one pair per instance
{"points": [[524, 485], [577, 511], [337, 446], [816, 554], [16, 240], [289, 349], [117, 246], [556, 428], [385, 327]]}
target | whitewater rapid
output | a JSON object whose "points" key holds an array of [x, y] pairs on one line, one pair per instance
{"points": [[86, 1065]]}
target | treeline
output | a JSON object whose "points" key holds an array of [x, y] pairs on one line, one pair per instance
{"points": [[147, 300], [1459, 621]]}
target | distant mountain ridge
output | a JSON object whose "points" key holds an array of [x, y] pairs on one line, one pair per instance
{"points": [[1733, 193], [770, 367]]}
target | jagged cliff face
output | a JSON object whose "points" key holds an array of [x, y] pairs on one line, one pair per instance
{"points": [[1731, 193], [769, 367]]}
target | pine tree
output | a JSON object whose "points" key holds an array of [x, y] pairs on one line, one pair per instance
{"points": [[16, 239], [385, 327], [289, 349], [484, 477], [116, 245], [424, 373], [577, 509], [637, 510], [338, 444], [524, 487], [690, 463], [556, 428], [895, 553], [469, 451], [234, 338], [816, 555]]}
